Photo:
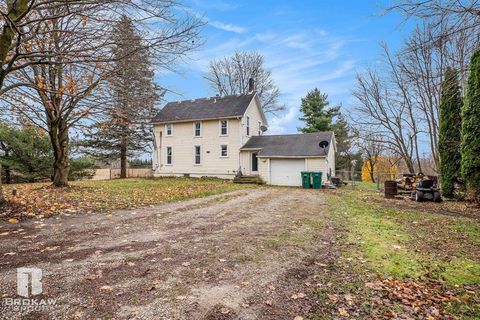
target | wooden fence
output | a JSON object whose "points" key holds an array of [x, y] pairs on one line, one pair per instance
{"points": [[108, 174]]}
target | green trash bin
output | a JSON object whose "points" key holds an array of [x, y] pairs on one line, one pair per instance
{"points": [[306, 177], [317, 180]]}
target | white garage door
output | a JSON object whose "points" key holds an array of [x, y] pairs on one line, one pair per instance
{"points": [[286, 172]]}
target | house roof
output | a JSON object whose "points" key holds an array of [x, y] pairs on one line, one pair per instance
{"points": [[290, 145], [205, 108]]}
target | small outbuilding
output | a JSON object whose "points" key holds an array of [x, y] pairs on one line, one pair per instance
{"points": [[280, 159]]}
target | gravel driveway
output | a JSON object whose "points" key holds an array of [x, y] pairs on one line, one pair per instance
{"points": [[248, 254]]}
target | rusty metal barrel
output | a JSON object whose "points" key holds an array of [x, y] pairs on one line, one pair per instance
{"points": [[390, 189]]}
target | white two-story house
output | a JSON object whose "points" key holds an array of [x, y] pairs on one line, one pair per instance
{"points": [[225, 136]]}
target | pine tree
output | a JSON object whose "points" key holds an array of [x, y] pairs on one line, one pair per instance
{"points": [[471, 131], [26, 151], [126, 131], [450, 133], [316, 114]]}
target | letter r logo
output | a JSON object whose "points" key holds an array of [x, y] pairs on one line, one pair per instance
{"points": [[26, 278]]}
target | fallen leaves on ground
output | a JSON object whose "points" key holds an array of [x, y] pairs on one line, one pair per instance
{"points": [[392, 298], [425, 300], [107, 288], [43, 200]]}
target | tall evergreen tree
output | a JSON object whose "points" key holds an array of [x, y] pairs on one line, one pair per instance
{"points": [[318, 116], [471, 131], [125, 131], [450, 133]]}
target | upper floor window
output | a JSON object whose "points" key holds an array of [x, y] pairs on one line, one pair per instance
{"points": [[169, 129], [197, 129], [169, 155], [259, 128], [223, 127], [248, 126]]}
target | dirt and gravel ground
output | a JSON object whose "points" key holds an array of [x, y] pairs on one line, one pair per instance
{"points": [[248, 254]]}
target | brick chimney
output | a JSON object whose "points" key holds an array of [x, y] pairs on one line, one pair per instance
{"points": [[251, 85]]}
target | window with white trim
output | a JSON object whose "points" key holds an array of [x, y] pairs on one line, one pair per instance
{"points": [[197, 129], [224, 150], [248, 126], [169, 129], [198, 155], [223, 127], [169, 155], [259, 128]]}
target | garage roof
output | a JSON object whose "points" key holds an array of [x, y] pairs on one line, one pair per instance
{"points": [[206, 108], [290, 145]]}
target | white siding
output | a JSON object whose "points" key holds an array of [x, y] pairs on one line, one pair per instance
{"points": [[318, 164], [264, 169], [183, 142], [255, 116], [331, 158], [245, 162], [253, 112]]}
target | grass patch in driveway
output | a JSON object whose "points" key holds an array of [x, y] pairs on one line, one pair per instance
{"points": [[40, 199]]}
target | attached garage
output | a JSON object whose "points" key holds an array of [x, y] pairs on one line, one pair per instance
{"points": [[286, 172], [282, 158]]}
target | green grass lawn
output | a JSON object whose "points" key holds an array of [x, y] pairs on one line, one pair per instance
{"points": [[361, 185], [35, 199], [400, 242]]}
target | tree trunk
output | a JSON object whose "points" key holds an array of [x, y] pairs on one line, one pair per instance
{"points": [[410, 166], [2, 199], [372, 177], [123, 158], [60, 143], [8, 175]]}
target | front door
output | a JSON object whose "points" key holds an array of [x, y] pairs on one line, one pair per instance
{"points": [[254, 162]]}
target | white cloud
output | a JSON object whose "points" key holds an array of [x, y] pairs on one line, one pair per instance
{"points": [[277, 124], [216, 24], [299, 60], [227, 26]]}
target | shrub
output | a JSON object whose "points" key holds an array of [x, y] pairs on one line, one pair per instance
{"points": [[471, 132], [450, 134]]}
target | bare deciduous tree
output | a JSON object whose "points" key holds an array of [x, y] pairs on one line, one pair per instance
{"points": [[386, 103], [423, 61], [230, 76], [413, 76], [461, 15], [13, 14], [371, 145], [74, 41]]}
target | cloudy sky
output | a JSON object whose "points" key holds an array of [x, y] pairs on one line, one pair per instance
{"points": [[306, 44]]}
